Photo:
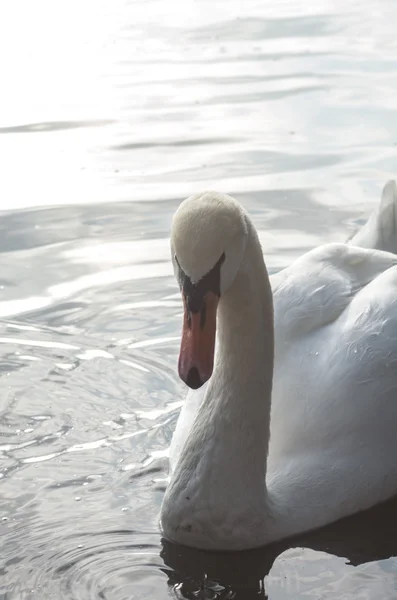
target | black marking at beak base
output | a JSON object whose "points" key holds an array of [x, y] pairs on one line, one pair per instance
{"points": [[203, 315], [195, 292]]}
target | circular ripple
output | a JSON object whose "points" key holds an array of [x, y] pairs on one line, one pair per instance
{"points": [[103, 566]]}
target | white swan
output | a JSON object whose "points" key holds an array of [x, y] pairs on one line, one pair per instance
{"points": [[259, 456]]}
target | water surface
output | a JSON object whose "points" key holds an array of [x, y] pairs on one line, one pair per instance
{"points": [[111, 114]]}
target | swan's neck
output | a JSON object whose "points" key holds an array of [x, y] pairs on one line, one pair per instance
{"points": [[218, 490], [240, 391]]}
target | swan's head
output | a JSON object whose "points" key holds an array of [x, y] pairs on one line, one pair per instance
{"points": [[208, 239]]}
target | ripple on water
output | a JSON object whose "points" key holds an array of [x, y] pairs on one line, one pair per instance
{"points": [[112, 565], [72, 437]]}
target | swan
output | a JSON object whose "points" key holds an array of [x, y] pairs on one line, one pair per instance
{"points": [[291, 419]]}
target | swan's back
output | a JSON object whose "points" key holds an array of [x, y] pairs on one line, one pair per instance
{"points": [[334, 403]]}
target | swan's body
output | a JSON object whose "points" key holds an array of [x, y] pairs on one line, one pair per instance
{"points": [[331, 405]]}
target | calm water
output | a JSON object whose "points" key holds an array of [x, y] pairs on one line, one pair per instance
{"points": [[111, 113]]}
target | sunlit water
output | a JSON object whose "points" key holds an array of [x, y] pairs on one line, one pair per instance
{"points": [[111, 113]]}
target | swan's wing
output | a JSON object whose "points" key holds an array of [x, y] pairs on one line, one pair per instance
{"points": [[334, 404], [320, 285], [335, 383]]}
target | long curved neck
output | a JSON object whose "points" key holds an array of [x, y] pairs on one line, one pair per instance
{"points": [[218, 490], [242, 381]]}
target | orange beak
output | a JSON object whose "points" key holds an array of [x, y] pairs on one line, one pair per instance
{"points": [[196, 358]]}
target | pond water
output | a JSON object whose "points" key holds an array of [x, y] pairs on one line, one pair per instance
{"points": [[112, 112]]}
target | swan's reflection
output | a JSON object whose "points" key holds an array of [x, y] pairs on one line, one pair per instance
{"points": [[369, 536]]}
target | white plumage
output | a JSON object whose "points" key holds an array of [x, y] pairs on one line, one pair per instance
{"points": [[254, 460]]}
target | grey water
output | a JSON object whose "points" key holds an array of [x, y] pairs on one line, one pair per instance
{"points": [[112, 112]]}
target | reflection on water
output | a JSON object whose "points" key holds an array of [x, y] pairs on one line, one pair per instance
{"points": [[305, 567], [112, 113]]}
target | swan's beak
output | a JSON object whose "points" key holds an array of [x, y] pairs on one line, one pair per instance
{"points": [[196, 358]]}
